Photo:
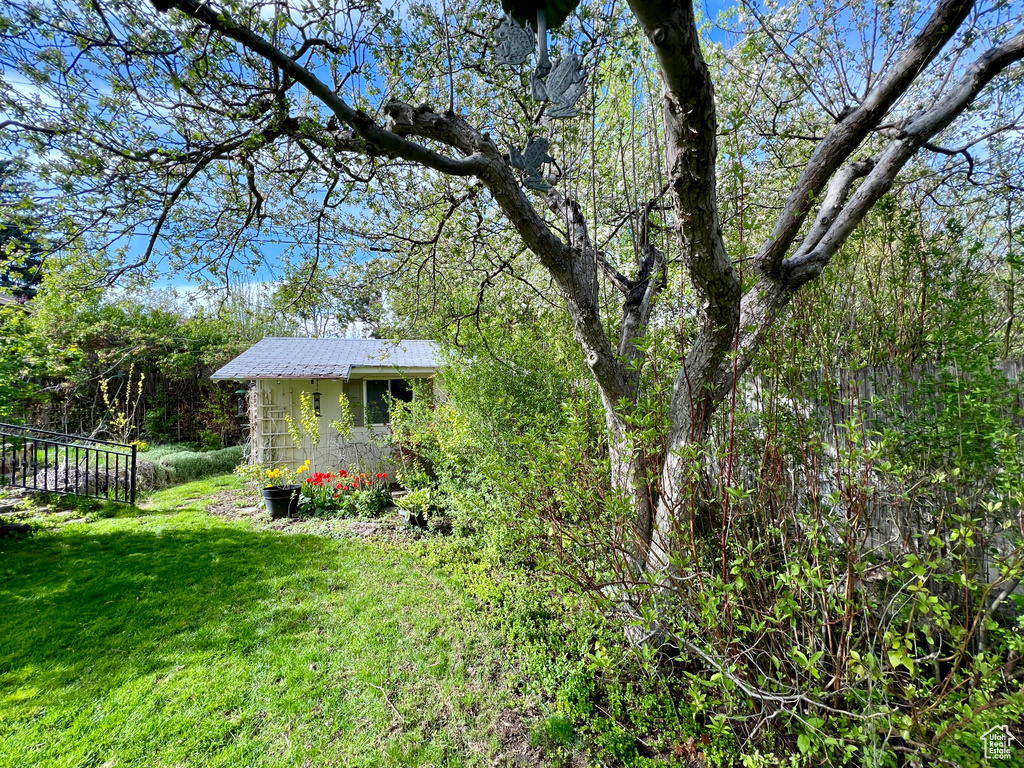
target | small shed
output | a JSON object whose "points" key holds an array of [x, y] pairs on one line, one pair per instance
{"points": [[277, 371]]}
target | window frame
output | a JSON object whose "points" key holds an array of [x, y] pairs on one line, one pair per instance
{"points": [[366, 398]]}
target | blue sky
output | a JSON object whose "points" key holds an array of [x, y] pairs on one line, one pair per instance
{"points": [[272, 251]]}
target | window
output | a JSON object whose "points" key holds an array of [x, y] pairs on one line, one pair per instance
{"points": [[377, 401]]}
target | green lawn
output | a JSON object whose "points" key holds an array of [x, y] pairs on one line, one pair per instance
{"points": [[167, 637]]}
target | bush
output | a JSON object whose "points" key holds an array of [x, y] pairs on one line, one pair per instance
{"points": [[160, 451], [190, 465], [859, 601], [371, 501], [209, 440]]}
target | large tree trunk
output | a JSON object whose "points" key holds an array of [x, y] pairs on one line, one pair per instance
{"points": [[690, 138]]}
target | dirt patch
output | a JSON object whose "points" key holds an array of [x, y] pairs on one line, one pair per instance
{"points": [[234, 505], [515, 740], [364, 528], [240, 505]]}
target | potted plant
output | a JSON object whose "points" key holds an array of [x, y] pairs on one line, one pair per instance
{"points": [[414, 507], [280, 491], [281, 500]]}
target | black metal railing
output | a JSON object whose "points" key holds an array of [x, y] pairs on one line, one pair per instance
{"points": [[40, 460]]}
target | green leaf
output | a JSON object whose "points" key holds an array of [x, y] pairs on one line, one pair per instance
{"points": [[803, 741]]}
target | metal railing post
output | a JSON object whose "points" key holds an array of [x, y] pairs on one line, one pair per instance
{"points": [[131, 477]]}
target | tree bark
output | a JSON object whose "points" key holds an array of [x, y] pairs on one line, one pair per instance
{"points": [[691, 143]]}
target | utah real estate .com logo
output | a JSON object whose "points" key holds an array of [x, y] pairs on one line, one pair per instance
{"points": [[999, 743]]}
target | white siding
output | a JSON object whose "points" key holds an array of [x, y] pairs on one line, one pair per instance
{"points": [[274, 444]]}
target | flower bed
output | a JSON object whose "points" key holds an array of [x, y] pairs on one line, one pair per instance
{"points": [[341, 493]]}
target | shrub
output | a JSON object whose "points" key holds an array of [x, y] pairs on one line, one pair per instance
{"points": [[160, 451], [190, 465], [209, 440], [370, 502]]}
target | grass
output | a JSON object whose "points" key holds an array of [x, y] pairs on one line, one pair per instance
{"points": [[167, 637], [76, 454]]}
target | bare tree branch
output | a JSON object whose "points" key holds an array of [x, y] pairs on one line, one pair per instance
{"points": [[384, 141], [843, 140]]}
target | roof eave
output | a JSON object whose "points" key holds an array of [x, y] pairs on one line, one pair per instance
{"points": [[397, 368]]}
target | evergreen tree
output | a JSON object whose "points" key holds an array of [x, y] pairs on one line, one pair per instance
{"points": [[21, 252]]}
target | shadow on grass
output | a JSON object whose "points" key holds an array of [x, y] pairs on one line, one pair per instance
{"points": [[77, 597], [100, 509], [193, 642]]}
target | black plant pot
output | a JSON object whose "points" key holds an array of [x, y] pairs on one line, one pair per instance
{"points": [[281, 500], [413, 519]]}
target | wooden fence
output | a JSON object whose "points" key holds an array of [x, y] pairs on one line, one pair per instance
{"points": [[933, 413]]}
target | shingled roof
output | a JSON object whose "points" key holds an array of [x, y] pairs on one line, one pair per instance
{"points": [[291, 358]]}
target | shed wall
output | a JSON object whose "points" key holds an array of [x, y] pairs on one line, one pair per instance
{"points": [[273, 443]]}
